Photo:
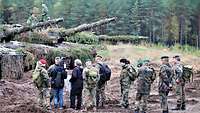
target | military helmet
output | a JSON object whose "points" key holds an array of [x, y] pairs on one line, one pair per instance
{"points": [[35, 10]]}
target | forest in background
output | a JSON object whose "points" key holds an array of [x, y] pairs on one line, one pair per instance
{"points": [[165, 21]]}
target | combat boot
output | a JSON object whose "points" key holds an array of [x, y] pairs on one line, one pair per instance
{"points": [[143, 112], [178, 107], [136, 111], [166, 111], [183, 107]]}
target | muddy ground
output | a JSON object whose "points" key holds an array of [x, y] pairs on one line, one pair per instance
{"points": [[19, 96]]}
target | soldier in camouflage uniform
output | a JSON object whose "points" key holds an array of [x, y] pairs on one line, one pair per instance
{"points": [[42, 83], [146, 76], [125, 81], [90, 77], [165, 82], [33, 19], [100, 91], [45, 11], [179, 83]]}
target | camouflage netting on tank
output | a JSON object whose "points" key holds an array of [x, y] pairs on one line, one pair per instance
{"points": [[83, 38], [33, 52], [36, 37]]}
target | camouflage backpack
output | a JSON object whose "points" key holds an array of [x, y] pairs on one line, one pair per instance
{"points": [[37, 79], [91, 77], [132, 72], [187, 72]]}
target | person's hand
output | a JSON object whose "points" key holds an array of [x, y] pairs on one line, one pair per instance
{"points": [[170, 87], [177, 81]]}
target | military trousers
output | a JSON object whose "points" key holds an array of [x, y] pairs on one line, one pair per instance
{"points": [[89, 97], [163, 100], [100, 95], [180, 94], [124, 94], [141, 102], [42, 97]]}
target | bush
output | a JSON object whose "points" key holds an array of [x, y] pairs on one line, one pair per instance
{"points": [[83, 38], [186, 49], [81, 53], [122, 38], [29, 59]]}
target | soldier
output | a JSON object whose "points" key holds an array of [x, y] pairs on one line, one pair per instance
{"points": [[45, 11], [165, 82], [33, 19], [146, 76], [42, 82], [104, 73], [125, 81], [179, 83], [90, 77]]}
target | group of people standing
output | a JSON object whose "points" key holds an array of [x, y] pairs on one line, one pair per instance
{"points": [[170, 77], [85, 83], [88, 83]]}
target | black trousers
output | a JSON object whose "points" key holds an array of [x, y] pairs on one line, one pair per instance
{"points": [[75, 96]]}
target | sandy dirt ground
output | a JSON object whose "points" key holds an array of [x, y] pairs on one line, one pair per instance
{"points": [[19, 96]]}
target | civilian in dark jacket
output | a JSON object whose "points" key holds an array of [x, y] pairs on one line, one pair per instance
{"points": [[76, 85], [57, 74]]}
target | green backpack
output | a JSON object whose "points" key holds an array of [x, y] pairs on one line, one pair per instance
{"points": [[187, 73], [37, 78], [91, 77]]}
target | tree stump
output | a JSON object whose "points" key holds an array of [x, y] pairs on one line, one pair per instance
{"points": [[11, 66]]}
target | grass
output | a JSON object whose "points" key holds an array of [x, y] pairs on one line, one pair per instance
{"points": [[185, 49], [151, 52]]}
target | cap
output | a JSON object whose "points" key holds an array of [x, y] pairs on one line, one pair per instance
{"points": [[146, 61], [42, 62], [164, 57], [176, 56], [87, 60], [123, 60], [99, 56]]}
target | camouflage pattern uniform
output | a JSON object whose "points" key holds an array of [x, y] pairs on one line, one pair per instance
{"points": [[165, 82], [42, 86], [89, 90], [125, 82], [45, 12], [180, 86], [33, 19], [146, 76]]}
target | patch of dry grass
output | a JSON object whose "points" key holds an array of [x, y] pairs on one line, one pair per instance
{"points": [[134, 53]]}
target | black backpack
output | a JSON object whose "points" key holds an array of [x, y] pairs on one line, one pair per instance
{"points": [[105, 73], [57, 82]]}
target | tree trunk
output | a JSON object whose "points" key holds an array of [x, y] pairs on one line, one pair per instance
{"points": [[11, 66], [198, 38], [181, 29]]}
